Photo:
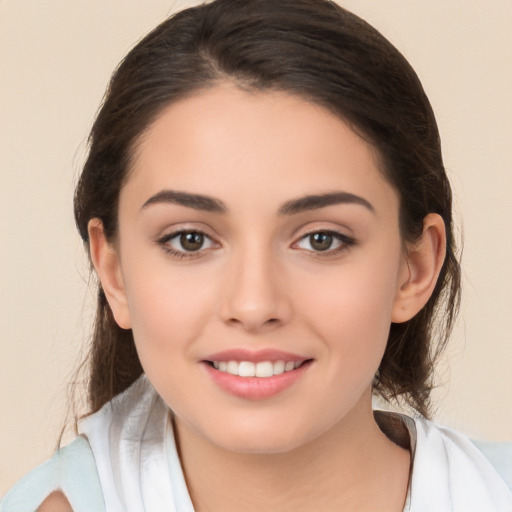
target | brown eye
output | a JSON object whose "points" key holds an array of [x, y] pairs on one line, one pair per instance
{"points": [[186, 242], [321, 241], [329, 242], [191, 241]]}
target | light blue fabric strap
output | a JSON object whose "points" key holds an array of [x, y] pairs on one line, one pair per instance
{"points": [[500, 456], [72, 470]]}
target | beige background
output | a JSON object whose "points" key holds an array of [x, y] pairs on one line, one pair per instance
{"points": [[55, 59]]}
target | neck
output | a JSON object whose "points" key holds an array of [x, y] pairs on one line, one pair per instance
{"points": [[352, 466]]}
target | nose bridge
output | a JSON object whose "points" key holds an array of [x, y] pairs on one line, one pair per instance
{"points": [[254, 296]]}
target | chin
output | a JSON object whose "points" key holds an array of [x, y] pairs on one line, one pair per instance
{"points": [[257, 438]]}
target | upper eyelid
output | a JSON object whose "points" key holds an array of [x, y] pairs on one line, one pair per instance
{"points": [[314, 226], [332, 231], [169, 234], [323, 230], [173, 234]]}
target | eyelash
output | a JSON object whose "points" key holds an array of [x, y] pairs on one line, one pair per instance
{"points": [[344, 241], [178, 254]]}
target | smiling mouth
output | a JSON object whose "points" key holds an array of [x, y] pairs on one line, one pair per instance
{"points": [[263, 369]]}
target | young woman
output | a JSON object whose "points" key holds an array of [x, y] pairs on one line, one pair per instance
{"points": [[265, 205]]}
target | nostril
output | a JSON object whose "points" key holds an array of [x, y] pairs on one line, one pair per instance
{"points": [[255, 324]]}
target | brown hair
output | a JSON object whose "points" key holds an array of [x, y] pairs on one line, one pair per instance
{"points": [[324, 54]]}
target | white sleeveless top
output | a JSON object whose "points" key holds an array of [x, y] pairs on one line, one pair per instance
{"points": [[126, 461]]}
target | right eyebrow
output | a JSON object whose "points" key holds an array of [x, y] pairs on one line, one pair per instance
{"points": [[195, 201], [315, 202]]}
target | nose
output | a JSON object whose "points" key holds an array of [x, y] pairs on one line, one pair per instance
{"points": [[255, 294]]}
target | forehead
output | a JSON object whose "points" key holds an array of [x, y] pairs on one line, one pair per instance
{"points": [[229, 142]]}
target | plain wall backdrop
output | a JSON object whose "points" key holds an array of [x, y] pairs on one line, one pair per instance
{"points": [[56, 58]]}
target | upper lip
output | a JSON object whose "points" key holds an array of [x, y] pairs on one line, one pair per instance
{"points": [[255, 356]]}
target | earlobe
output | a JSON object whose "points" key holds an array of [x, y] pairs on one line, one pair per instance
{"points": [[421, 268], [105, 259]]}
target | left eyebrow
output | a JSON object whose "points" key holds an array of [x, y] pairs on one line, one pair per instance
{"points": [[195, 201], [315, 202]]}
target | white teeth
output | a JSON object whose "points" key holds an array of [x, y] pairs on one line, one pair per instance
{"points": [[264, 369], [290, 365], [278, 367], [261, 369], [232, 367], [246, 369]]}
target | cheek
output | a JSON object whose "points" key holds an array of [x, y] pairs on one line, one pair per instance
{"points": [[167, 307], [360, 294], [350, 309], [166, 319]]}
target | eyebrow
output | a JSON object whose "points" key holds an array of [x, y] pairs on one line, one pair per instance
{"points": [[292, 207], [315, 202], [196, 201]]}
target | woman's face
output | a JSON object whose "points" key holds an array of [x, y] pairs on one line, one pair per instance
{"points": [[257, 235]]}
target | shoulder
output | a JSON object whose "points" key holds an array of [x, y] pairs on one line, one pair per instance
{"points": [[71, 471], [499, 454], [495, 454], [462, 474], [56, 502]]}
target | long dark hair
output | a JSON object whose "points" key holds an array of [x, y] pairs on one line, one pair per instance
{"points": [[324, 54]]}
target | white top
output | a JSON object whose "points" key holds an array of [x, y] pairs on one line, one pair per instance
{"points": [[138, 468], [137, 461]]}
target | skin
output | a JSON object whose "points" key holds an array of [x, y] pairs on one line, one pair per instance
{"points": [[55, 502], [257, 283]]}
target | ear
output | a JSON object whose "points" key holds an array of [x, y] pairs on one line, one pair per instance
{"points": [[423, 262], [105, 259]]}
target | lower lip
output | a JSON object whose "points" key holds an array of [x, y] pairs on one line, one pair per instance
{"points": [[256, 388]]}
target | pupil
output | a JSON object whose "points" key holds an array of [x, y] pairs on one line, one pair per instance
{"points": [[191, 241], [321, 241]]}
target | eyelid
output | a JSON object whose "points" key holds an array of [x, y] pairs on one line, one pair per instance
{"points": [[345, 241], [187, 226], [164, 242]]}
